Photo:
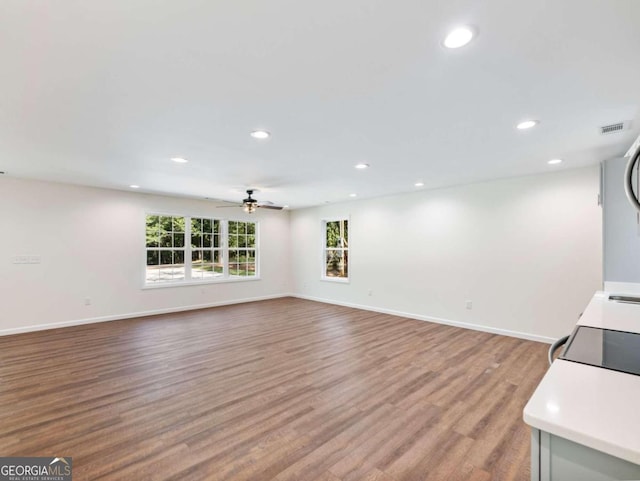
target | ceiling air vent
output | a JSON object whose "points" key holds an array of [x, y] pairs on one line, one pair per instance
{"points": [[613, 128]]}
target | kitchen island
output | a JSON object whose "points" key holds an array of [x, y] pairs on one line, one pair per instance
{"points": [[585, 419]]}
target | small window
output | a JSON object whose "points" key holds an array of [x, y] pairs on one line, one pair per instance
{"points": [[336, 250]]}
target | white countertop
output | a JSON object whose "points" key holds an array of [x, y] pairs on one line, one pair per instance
{"points": [[601, 312], [595, 407]]}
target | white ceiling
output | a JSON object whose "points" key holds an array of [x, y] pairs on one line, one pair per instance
{"points": [[104, 93]]}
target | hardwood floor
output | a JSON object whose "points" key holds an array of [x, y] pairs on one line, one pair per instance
{"points": [[285, 389]]}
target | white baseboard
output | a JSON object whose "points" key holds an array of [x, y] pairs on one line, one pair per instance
{"points": [[131, 315], [420, 317], [437, 320]]}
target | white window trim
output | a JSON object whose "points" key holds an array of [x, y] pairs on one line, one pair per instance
{"points": [[323, 247], [224, 240]]}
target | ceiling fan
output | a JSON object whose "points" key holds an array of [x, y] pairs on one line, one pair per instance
{"points": [[250, 204]]}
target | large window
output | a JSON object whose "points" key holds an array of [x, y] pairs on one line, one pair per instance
{"points": [[182, 249], [336, 250]]}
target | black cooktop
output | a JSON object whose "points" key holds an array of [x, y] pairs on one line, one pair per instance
{"points": [[615, 350]]}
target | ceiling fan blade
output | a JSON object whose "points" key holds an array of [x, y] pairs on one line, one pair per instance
{"points": [[274, 207], [227, 206]]}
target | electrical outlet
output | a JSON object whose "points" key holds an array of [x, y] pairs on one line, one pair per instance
{"points": [[469, 305]]}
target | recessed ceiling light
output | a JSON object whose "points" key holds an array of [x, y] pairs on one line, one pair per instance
{"points": [[419, 184], [527, 124], [260, 134], [362, 165], [353, 195], [459, 37], [554, 161], [179, 160], [134, 186]]}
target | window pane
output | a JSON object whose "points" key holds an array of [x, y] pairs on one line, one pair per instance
{"points": [[206, 226], [216, 240], [251, 264], [251, 240], [178, 240], [233, 256], [152, 235], [251, 227], [345, 231], [333, 234], [153, 258], [233, 241], [196, 264], [178, 224], [196, 240], [196, 226], [207, 271], [166, 241], [166, 258], [218, 265], [216, 226], [242, 241], [233, 227], [166, 223], [178, 257], [207, 256], [206, 240], [178, 272], [152, 274], [336, 263], [242, 227]]}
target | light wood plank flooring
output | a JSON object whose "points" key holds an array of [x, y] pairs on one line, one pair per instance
{"points": [[281, 390]]}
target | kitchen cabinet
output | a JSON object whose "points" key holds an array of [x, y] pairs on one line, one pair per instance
{"points": [[554, 458]]}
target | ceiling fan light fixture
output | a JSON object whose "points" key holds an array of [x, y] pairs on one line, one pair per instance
{"points": [[179, 160], [362, 166]]}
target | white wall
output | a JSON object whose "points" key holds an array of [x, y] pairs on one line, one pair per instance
{"points": [[527, 251], [92, 245], [621, 229]]}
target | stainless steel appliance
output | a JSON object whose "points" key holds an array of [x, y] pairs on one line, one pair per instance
{"points": [[634, 156]]}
